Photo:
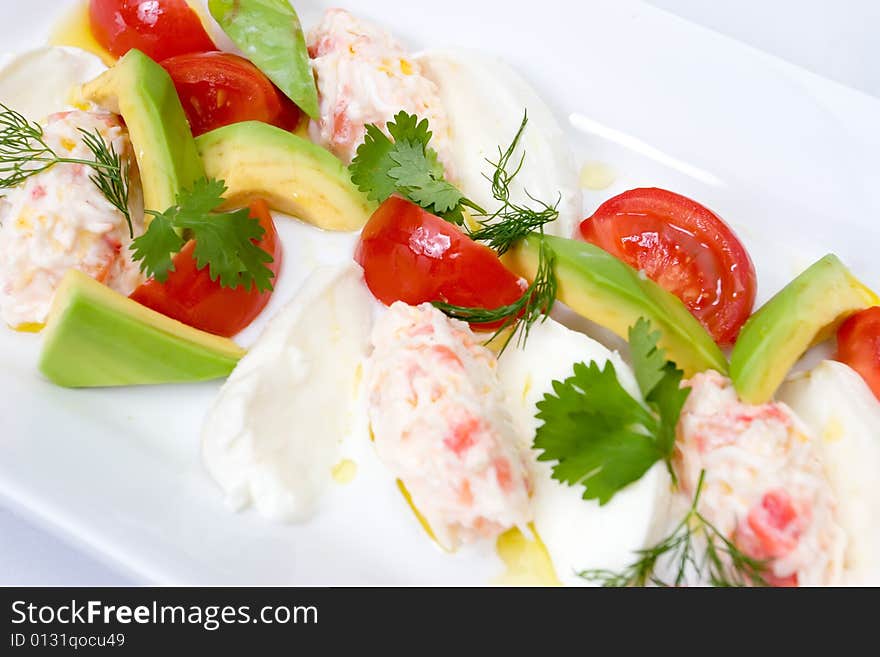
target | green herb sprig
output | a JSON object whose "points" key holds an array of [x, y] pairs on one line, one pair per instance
{"points": [[534, 305], [501, 229], [224, 241], [25, 153], [511, 222], [600, 436], [111, 174], [695, 551], [407, 166]]}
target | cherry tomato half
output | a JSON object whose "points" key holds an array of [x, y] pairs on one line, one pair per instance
{"points": [[411, 255], [190, 296], [219, 88], [159, 28], [685, 248], [858, 345]]}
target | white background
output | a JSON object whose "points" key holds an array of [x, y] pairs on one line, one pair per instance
{"points": [[834, 38]]}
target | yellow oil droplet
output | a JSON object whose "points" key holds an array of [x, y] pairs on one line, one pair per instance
{"points": [[73, 30], [344, 472], [526, 560], [527, 388], [422, 520], [833, 431], [302, 128], [494, 342], [358, 375], [469, 220], [30, 327], [596, 176]]}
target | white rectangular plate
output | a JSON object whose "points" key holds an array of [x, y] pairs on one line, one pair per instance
{"points": [[786, 157]]}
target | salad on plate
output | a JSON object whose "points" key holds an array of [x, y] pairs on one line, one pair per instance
{"points": [[370, 246]]}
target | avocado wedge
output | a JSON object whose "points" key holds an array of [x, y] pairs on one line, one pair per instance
{"points": [[143, 93], [293, 175], [270, 35], [595, 284], [805, 312], [97, 337]]}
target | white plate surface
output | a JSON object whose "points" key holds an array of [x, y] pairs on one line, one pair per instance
{"points": [[787, 157]]}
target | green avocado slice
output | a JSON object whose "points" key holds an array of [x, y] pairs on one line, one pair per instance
{"points": [[270, 35], [143, 93], [805, 312], [595, 284], [293, 175], [97, 337]]}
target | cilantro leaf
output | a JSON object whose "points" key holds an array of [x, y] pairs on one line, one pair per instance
{"points": [[413, 173], [659, 380], [407, 127], [225, 242], [155, 247], [598, 434], [667, 400], [205, 196], [369, 168], [407, 166], [648, 359]]}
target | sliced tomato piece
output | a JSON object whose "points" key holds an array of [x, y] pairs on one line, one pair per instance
{"points": [[219, 88], [190, 296], [684, 247], [411, 255], [858, 345], [158, 28]]}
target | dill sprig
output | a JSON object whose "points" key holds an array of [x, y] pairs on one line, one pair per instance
{"points": [[25, 153], [501, 229], [111, 173], [534, 305], [511, 222], [721, 564]]}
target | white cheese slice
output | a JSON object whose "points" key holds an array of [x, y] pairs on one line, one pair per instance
{"points": [[44, 81], [579, 534], [273, 434]]}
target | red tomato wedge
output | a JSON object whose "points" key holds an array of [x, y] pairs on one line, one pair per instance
{"points": [[411, 255], [219, 88], [858, 345], [685, 248], [159, 28], [190, 296]]}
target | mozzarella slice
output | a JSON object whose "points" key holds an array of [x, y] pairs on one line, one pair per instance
{"points": [[484, 101], [44, 81], [273, 434], [842, 412], [579, 534]]}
